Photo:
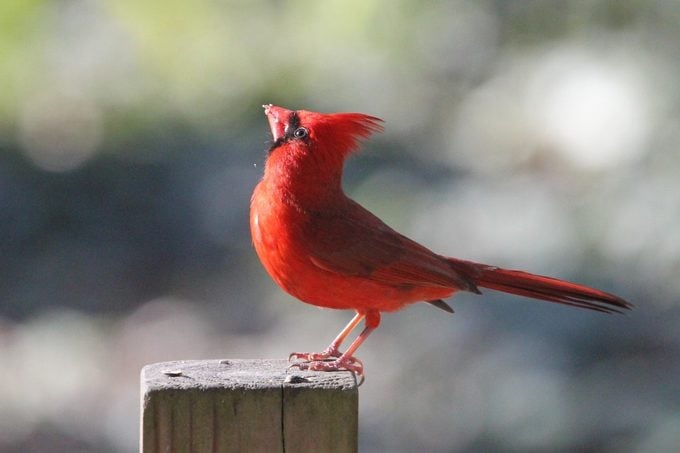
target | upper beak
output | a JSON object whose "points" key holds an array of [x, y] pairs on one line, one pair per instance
{"points": [[277, 117]]}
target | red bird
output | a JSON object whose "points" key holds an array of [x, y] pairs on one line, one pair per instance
{"points": [[327, 250]]}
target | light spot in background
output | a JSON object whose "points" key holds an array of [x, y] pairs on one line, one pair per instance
{"points": [[590, 111], [487, 131], [511, 223], [59, 132], [164, 329], [56, 367]]}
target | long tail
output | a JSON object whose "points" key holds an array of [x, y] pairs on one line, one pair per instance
{"points": [[540, 287]]}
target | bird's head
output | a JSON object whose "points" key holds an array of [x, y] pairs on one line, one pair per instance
{"points": [[333, 135], [309, 149]]}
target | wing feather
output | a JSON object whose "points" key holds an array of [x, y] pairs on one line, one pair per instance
{"points": [[351, 241]]}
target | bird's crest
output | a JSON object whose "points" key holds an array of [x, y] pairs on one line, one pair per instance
{"points": [[337, 131]]}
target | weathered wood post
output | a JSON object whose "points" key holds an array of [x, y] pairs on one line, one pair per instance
{"points": [[246, 405]]}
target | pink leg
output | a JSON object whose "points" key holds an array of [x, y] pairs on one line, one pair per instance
{"points": [[346, 361], [333, 350]]}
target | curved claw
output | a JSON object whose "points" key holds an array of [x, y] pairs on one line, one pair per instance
{"points": [[296, 355], [314, 356], [340, 364]]}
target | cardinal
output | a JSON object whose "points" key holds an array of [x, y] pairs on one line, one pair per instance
{"points": [[327, 250]]}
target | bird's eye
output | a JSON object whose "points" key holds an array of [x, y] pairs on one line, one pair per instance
{"points": [[300, 132]]}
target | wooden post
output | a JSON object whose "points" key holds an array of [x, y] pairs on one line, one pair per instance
{"points": [[246, 405]]}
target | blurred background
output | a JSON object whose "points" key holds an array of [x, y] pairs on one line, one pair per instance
{"points": [[540, 135]]}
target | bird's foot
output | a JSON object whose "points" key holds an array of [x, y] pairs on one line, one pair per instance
{"points": [[329, 353], [342, 363]]}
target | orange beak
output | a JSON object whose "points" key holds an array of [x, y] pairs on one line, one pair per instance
{"points": [[278, 119]]}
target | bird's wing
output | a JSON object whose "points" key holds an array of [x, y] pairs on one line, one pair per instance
{"points": [[352, 241]]}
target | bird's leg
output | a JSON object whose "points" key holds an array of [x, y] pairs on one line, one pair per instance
{"points": [[333, 350], [346, 361]]}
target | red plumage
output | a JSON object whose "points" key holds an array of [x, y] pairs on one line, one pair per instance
{"points": [[327, 250]]}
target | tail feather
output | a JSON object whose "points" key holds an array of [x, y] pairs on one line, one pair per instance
{"points": [[540, 287]]}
